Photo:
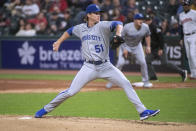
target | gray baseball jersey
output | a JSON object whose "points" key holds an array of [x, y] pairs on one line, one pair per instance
{"points": [[95, 47], [133, 36], [188, 21], [94, 40]]}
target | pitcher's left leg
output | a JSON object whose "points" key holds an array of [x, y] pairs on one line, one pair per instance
{"points": [[117, 77]]}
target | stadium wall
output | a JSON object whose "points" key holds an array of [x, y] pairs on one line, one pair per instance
{"points": [[36, 53]]}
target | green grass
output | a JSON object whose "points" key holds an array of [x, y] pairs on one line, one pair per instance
{"points": [[70, 77], [177, 105], [37, 77]]}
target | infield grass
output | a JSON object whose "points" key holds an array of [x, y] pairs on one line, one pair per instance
{"points": [[132, 78], [177, 105]]}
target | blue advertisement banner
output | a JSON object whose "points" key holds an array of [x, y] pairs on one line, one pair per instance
{"points": [[38, 54]]}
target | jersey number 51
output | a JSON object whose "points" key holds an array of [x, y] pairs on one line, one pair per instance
{"points": [[99, 48]]}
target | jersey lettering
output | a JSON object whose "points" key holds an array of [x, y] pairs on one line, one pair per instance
{"points": [[186, 20], [99, 48], [91, 37]]}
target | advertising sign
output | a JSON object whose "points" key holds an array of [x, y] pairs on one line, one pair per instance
{"points": [[174, 55], [38, 54]]}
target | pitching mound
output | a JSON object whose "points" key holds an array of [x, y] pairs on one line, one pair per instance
{"points": [[49, 123]]}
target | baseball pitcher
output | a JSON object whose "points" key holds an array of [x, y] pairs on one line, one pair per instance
{"points": [[94, 35]]}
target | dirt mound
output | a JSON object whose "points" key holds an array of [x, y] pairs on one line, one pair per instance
{"points": [[49, 123]]}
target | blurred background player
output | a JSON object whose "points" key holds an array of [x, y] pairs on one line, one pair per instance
{"points": [[158, 51], [188, 21], [134, 33]]}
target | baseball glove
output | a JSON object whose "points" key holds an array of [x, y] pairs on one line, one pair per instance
{"points": [[116, 41]]}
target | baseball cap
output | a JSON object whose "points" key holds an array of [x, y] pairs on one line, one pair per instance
{"points": [[93, 8], [186, 2], [138, 16]]}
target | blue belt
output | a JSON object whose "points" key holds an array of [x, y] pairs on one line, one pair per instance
{"points": [[96, 62]]}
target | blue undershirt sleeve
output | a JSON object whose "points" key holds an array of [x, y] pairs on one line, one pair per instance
{"points": [[114, 24], [69, 31]]}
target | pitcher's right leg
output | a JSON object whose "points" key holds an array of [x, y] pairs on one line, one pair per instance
{"points": [[78, 82]]}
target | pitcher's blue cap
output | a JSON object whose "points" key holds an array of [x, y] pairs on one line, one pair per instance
{"points": [[138, 16], [92, 8]]}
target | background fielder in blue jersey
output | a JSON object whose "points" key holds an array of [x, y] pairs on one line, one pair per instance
{"points": [[94, 35]]}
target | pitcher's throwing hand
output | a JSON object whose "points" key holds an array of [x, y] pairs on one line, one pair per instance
{"points": [[56, 46]]}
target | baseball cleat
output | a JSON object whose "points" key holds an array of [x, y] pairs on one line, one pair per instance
{"points": [[148, 113], [109, 85], [40, 113], [184, 75], [148, 85], [138, 84]]}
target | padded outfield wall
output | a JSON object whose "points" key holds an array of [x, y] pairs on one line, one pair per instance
{"points": [[36, 53], [175, 53]]}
